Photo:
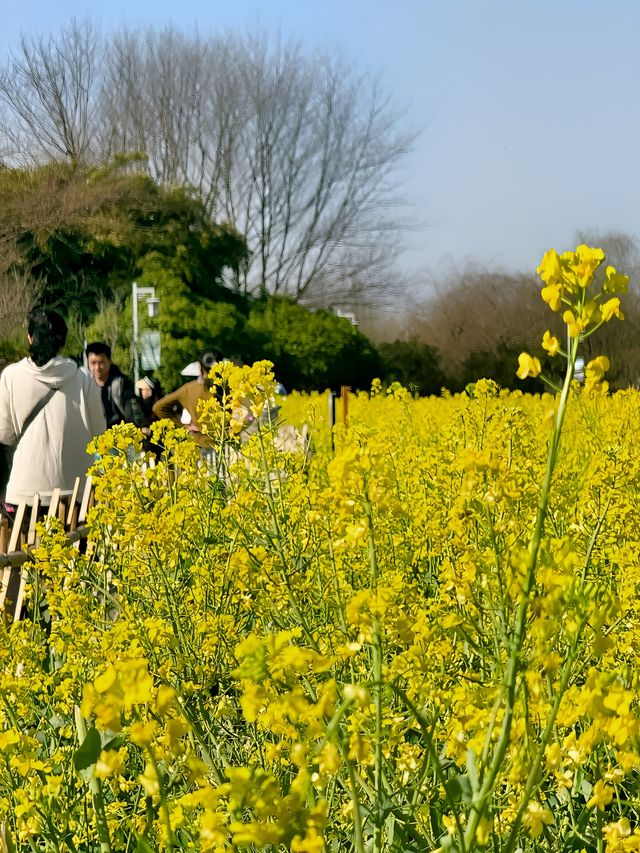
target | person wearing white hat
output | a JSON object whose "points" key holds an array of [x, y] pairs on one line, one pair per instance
{"points": [[149, 391]]}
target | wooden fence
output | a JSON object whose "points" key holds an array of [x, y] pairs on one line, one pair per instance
{"points": [[18, 538]]}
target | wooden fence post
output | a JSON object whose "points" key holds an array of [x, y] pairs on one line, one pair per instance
{"points": [[332, 417], [344, 394], [16, 555]]}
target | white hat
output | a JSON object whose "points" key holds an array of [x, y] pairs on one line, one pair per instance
{"points": [[192, 369], [145, 382]]}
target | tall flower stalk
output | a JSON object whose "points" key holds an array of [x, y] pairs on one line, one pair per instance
{"points": [[570, 280]]}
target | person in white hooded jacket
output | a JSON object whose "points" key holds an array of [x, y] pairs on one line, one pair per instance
{"points": [[51, 447]]}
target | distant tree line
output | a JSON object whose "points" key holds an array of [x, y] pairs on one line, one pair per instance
{"points": [[294, 148], [248, 180], [251, 182], [75, 238], [473, 323]]}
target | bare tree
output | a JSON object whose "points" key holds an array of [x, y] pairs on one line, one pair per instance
{"points": [[18, 295], [619, 341], [49, 88], [474, 310], [297, 150], [318, 148]]}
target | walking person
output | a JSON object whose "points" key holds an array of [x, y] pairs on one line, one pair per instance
{"points": [[149, 392], [49, 411], [118, 394], [186, 398]]}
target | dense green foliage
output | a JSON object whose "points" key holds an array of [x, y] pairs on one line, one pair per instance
{"points": [[414, 364], [86, 234], [311, 350]]}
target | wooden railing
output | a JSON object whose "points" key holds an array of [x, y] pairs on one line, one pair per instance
{"points": [[18, 538]]}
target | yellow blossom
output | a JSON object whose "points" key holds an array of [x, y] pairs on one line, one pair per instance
{"points": [[586, 262], [528, 366], [149, 780], [552, 295], [549, 269], [615, 282], [601, 795], [575, 324], [596, 368], [536, 817], [550, 343], [611, 308]]}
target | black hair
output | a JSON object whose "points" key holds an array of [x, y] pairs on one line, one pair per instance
{"points": [[48, 333], [98, 348], [154, 385], [208, 359], [206, 362]]}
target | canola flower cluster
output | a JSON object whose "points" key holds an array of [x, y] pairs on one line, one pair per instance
{"points": [[424, 638]]}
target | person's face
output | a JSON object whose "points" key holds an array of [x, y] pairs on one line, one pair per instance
{"points": [[99, 367], [146, 393]]}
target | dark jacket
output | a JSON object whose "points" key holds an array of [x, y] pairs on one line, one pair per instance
{"points": [[119, 400]]}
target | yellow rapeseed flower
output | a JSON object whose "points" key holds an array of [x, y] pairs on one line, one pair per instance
{"points": [[536, 818], [550, 343], [576, 325], [596, 368], [615, 282], [549, 269], [601, 795], [528, 366], [149, 780], [586, 261], [552, 295], [611, 308]]}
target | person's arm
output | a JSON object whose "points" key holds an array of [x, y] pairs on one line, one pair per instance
{"points": [[95, 409], [8, 434], [166, 406]]}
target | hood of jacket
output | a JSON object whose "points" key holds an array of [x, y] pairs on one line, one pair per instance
{"points": [[56, 373]]}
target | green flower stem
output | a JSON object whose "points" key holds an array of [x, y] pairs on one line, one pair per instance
{"points": [[532, 778], [95, 787], [358, 841], [514, 664], [164, 808], [377, 681]]}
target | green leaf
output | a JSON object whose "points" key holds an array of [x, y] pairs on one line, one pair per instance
{"points": [[143, 846], [110, 741], [586, 789], [6, 839], [88, 751], [459, 788]]}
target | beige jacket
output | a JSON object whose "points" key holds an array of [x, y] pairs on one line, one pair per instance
{"points": [[52, 452], [186, 397]]}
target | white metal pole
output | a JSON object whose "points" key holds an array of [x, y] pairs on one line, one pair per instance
{"points": [[134, 297]]}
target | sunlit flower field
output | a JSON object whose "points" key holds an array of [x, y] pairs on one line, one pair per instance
{"points": [[419, 633]]}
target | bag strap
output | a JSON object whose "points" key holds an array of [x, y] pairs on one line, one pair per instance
{"points": [[34, 413]]}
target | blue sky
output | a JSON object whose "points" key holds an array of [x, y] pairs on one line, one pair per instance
{"points": [[528, 109]]}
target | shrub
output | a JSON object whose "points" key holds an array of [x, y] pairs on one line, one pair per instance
{"points": [[414, 364], [312, 349]]}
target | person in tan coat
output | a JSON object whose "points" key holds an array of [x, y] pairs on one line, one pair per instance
{"points": [[187, 397]]}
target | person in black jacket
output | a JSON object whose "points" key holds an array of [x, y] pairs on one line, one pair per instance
{"points": [[149, 391], [118, 394]]}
